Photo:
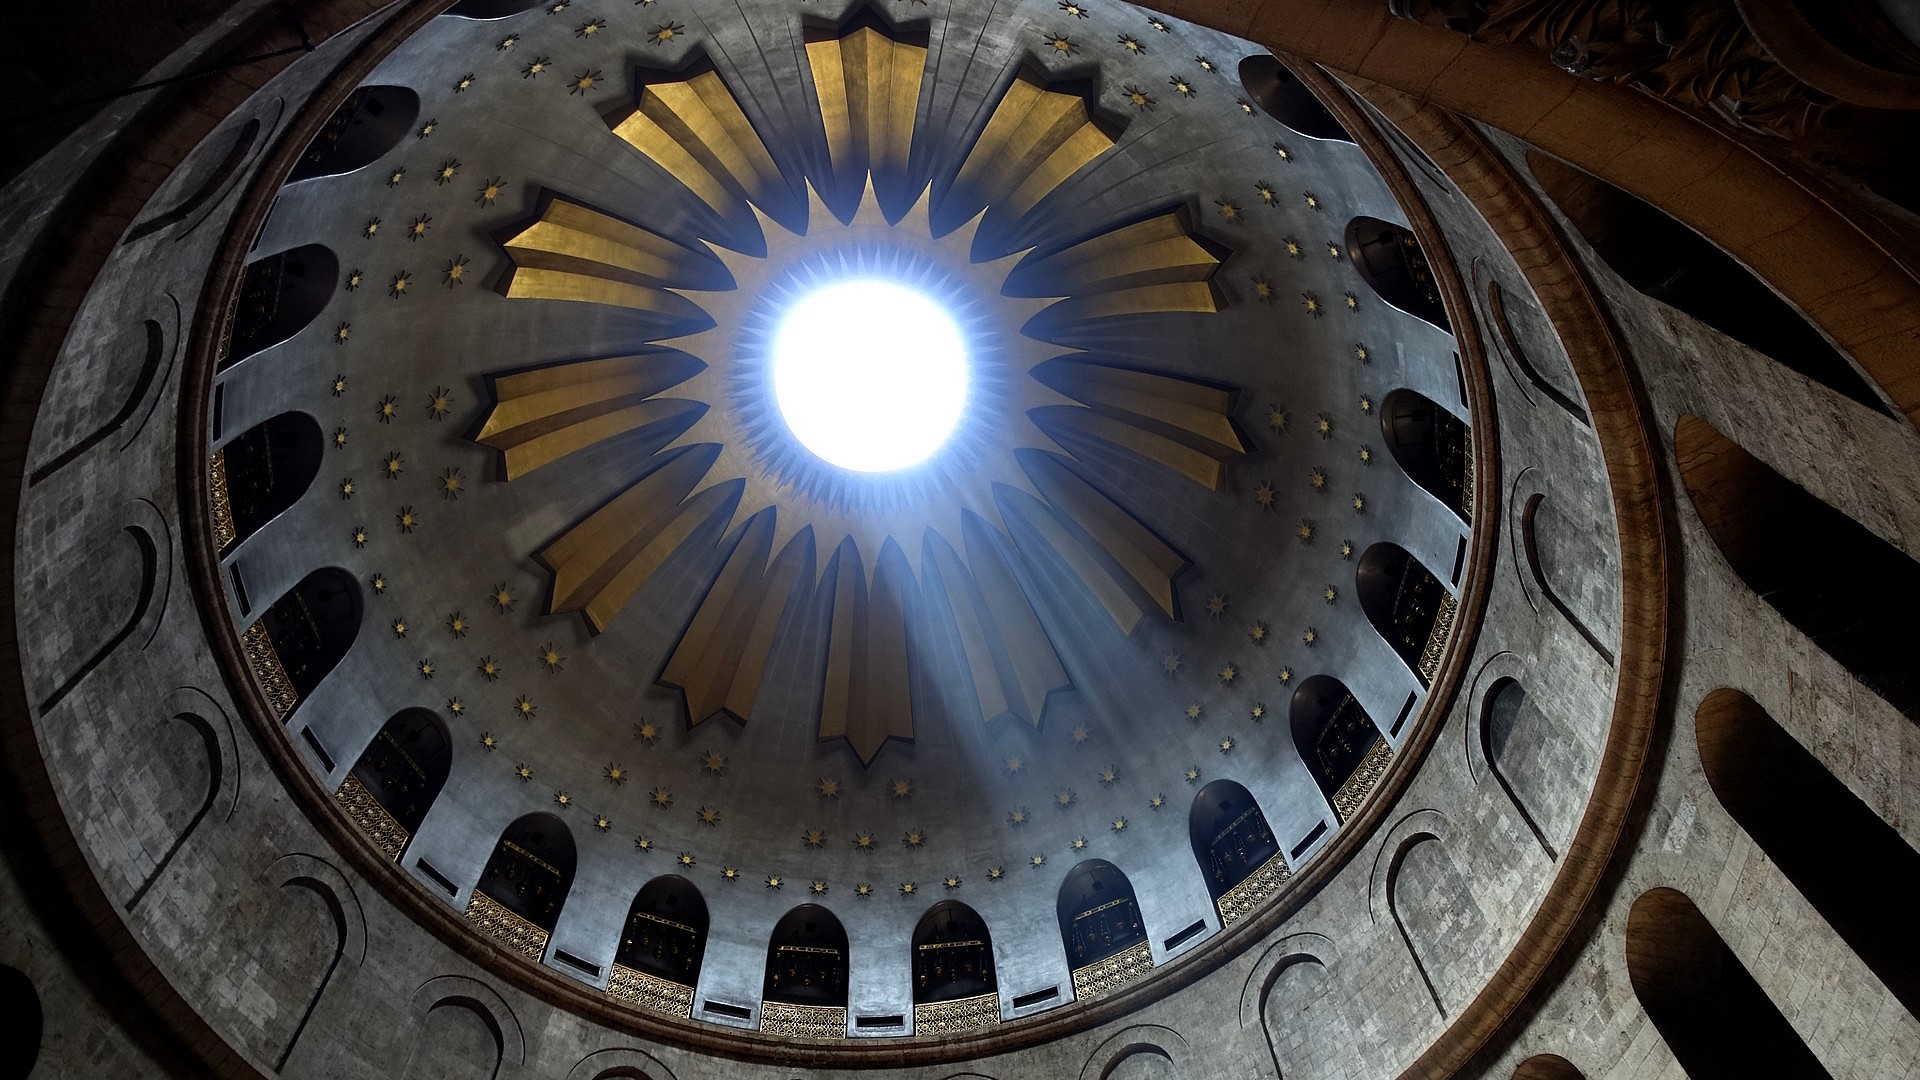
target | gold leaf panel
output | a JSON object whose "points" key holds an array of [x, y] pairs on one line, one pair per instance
{"points": [[865, 699], [869, 89], [574, 252], [694, 129], [543, 415], [720, 660], [1034, 140]]}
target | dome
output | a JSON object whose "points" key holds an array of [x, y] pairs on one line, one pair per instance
{"points": [[1008, 539]]}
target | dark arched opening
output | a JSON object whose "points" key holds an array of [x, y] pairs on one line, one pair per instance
{"points": [[1718, 1022], [1432, 446], [1500, 714], [525, 884], [304, 635], [279, 295], [1407, 606], [1390, 260], [365, 126], [807, 959], [401, 772], [665, 933], [1789, 548], [1840, 854], [1675, 265], [1100, 918], [952, 955], [1230, 837], [1336, 738], [1546, 1067], [493, 9], [20, 1004], [267, 469], [1281, 95]]}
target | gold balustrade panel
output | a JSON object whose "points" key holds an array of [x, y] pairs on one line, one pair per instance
{"points": [[803, 1021], [954, 1017], [358, 800], [492, 918], [1103, 977], [649, 992], [1259, 887]]}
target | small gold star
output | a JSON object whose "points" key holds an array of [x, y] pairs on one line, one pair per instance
{"points": [[340, 334], [902, 789], [1074, 8], [1313, 201], [660, 797], [1180, 86], [455, 272], [1205, 64], [1132, 44], [1193, 710], [1310, 637], [1063, 798], [406, 519], [1078, 734], [552, 658], [418, 228], [714, 762], [646, 731], [664, 33], [1257, 633], [346, 488], [1228, 673], [1015, 764], [1291, 246], [708, 815], [1193, 773], [1333, 249], [1277, 418], [907, 888], [1062, 44], [397, 285], [444, 174], [371, 229], [914, 838], [1317, 478], [1017, 816], [1346, 549], [583, 82], [1109, 774], [1323, 426], [1359, 503], [1280, 151], [359, 536], [603, 823], [1330, 594], [465, 83], [1360, 353], [450, 484], [951, 881], [1305, 530], [1229, 210], [1037, 861], [1263, 289], [378, 583], [1079, 843], [1156, 802], [643, 843], [1139, 98], [1158, 24], [817, 888], [525, 707], [1246, 107], [616, 774], [457, 707], [426, 669], [502, 597], [814, 838], [1170, 663], [1366, 455], [1217, 604], [863, 890], [827, 788], [534, 67], [399, 628], [995, 873], [490, 191], [339, 385], [487, 740], [1285, 676], [1263, 495], [1119, 824], [1226, 746], [1311, 303], [863, 841], [685, 859], [426, 129], [1353, 302], [590, 28], [398, 174], [523, 772], [506, 43], [489, 669]]}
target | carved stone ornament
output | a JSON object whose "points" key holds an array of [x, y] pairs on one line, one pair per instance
{"points": [[955, 1017], [1103, 977]]}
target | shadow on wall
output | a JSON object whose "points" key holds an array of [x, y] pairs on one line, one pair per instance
{"points": [[1281, 95]]}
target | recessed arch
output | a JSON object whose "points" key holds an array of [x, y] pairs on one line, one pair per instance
{"points": [[1547, 1067], [369, 123], [1841, 855], [665, 934], [525, 884], [1719, 1023], [279, 295], [1230, 837], [266, 469], [1850, 592], [1342, 747], [1099, 916], [1671, 263], [479, 10], [1389, 259], [953, 956], [807, 959], [1432, 446], [1407, 606], [398, 777], [304, 635], [1280, 94], [1502, 712], [20, 1004]]}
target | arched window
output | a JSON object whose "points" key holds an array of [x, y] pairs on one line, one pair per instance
{"points": [[525, 884], [397, 778], [1391, 262], [1675, 265], [1500, 714], [1851, 592], [1284, 97], [266, 470], [1407, 605], [1841, 856], [303, 635], [279, 295], [1718, 1022], [953, 957], [664, 937], [1432, 446], [1100, 921], [1343, 749], [1231, 839], [805, 991], [364, 127]]}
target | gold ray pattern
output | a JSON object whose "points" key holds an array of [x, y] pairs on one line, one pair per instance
{"points": [[868, 555]]}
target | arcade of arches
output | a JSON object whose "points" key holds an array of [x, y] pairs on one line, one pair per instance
{"points": [[1419, 585]]}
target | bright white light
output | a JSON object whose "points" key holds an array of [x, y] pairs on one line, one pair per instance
{"points": [[869, 375]]}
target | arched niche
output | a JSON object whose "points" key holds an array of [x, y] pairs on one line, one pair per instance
{"points": [[1546, 1067], [807, 963], [1407, 606], [1718, 1022], [525, 884], [1852, 593], [664, 939], [493, 9], [21, 1004], [303, 635], [1841, 856], [369, 123], [279, 295], [1504, 738], [1231, 838], [265, 470], [1390, 260], [1100, 921], [1281, 95], [457, 1040], [397, 778], [954, 984], [1432, 446], [1342, 748], [1671, 263]]}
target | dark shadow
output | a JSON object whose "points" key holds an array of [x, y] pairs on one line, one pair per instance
{"points": [[665, 934], [1718, 1022], [1331, 732], [149, 555], [531, 870], [1849, 591], [952, 955], [216, 774], [279, 296], [269, 467], [1230, 836], [1530, 545], [1390, 260], [1509, 340], [1403, 601], [1547, 1067], [1500, 714], [807, 959], [1675, 265], [1841, 855], [20, 1004], [1099, 914], [136, 393], [215, 179], [405, 767], [1432, 446], [370, 122], [492, 9], [1281, 95], [313, 626]]}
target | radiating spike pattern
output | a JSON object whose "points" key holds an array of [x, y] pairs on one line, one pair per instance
{"points": [[720, 660], [1034, 140], [574, 252], [1131, 554], [541, 416], [869, 89], [694, 129], [1183, 425], [865, 700]]}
